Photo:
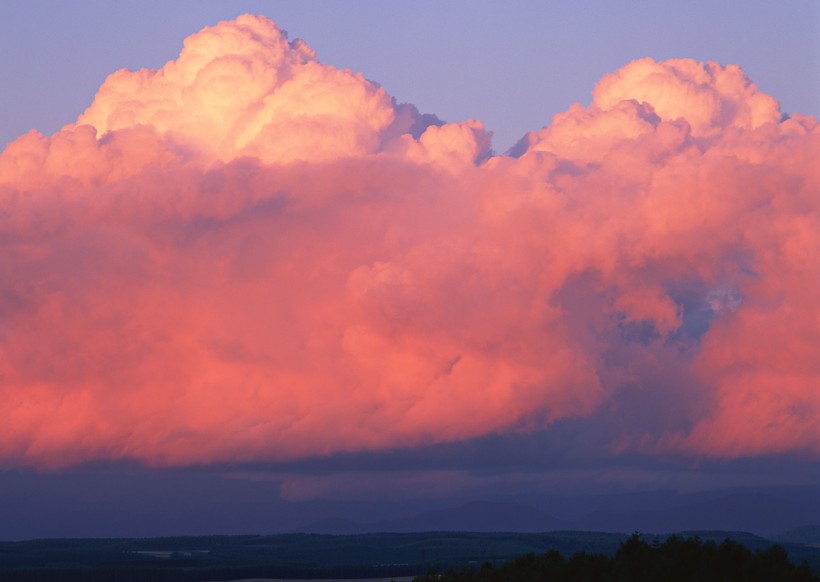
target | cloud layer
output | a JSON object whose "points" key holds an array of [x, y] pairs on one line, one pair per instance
{"points": [[250, 255]]}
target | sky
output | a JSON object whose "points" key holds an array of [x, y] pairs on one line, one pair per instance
{"points": [[512, 65], [359, 259]]}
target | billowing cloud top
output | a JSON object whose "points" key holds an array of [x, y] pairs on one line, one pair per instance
{"points": [[249, 255], [242, 89]]}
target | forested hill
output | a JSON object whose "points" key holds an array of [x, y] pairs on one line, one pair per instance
{"points": [[677, 559]]}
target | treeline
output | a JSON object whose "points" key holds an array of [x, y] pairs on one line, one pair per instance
{"points": [[675, 560]]}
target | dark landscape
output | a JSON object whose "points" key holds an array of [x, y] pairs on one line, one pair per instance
{"points": [[377, 555]]}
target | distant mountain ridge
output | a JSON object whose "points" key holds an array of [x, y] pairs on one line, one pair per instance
{"points": [[765, 515], [807, 535], [760, 513]]}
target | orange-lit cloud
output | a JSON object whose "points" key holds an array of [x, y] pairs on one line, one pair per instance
{"points": [[250, 255]]}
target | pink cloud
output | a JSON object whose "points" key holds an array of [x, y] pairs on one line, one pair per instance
{"points": [[194, 272]]}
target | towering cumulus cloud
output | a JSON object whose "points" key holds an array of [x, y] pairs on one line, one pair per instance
{"points": [[250, 255]]}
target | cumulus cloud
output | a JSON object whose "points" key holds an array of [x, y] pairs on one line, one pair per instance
{"points": [[250, 255]]}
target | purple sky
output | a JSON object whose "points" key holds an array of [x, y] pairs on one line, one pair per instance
{"points": [[512, 66]]}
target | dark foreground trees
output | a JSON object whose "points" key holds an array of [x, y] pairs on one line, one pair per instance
{"points": [[677, 559]]}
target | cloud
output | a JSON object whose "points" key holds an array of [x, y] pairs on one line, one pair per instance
{"points": [[249, 255], [242, 89]]}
